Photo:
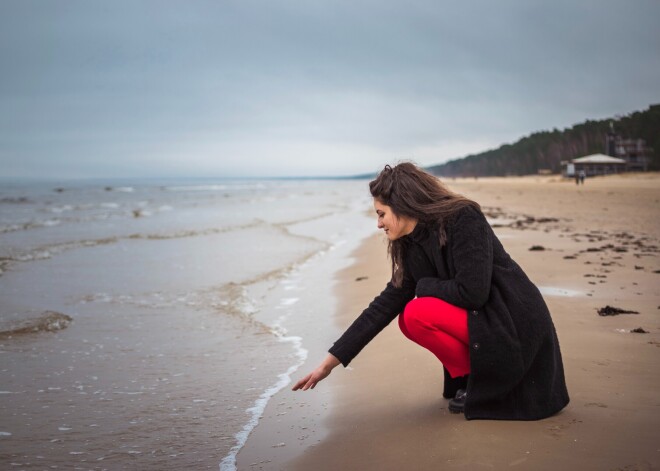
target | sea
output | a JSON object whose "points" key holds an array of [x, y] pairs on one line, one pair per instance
{"points": [[145, 324]]}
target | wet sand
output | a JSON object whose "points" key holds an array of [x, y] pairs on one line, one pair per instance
{"points": [[597, 245]]}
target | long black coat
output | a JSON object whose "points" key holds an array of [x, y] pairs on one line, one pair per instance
{"points": [[516, 365]]}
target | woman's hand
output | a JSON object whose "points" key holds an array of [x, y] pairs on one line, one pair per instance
{"points": [[321, 372]]}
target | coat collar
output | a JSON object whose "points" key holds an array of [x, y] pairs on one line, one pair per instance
{"points": [[420, 233]]}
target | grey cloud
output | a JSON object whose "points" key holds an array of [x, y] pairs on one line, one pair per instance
{"points": [[119, 81]]}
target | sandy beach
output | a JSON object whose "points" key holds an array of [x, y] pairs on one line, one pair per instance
{"points": [[594, 245]]}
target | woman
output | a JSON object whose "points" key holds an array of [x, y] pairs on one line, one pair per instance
{"points": [[458, 294]]}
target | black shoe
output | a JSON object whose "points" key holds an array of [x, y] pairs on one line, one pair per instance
{"points": [[457, 405]]}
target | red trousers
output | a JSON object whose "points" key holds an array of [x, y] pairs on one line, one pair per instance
{"points": [[441, 328]]}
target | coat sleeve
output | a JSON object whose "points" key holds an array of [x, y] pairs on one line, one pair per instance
{"points": [[380, 312], [471, 251]]}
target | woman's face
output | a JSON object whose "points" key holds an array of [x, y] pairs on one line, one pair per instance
{"points": [[393, 225]]}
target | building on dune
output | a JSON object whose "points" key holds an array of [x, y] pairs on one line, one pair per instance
{"points": [[593, 165], [621, 155]]}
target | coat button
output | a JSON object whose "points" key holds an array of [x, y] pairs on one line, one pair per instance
{"points": [[474, 313], [475, 346]]}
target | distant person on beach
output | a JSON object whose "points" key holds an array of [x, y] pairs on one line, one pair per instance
{"points": [[458, 294], [582, 175]]}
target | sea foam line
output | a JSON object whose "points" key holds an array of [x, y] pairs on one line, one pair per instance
{"points": [[228, 463]]}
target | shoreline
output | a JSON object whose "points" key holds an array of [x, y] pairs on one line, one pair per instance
{"points": [[178, 319], [292, 422], [386, 409]]}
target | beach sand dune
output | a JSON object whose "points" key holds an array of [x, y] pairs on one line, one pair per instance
{"points": [[595, 245]]}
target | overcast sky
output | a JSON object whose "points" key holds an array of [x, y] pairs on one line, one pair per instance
{"points": [[306, 87]]}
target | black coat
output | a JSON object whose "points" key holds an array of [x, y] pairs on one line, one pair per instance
{"points": [[516, 365]]}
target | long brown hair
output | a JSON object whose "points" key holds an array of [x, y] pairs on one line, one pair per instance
{"points": [[416, 194]]}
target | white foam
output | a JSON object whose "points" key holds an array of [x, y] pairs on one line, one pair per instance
{"points": [[61, 209], [289, 301], [228, 463], [196, 188], [5, 434], [10, 228]]}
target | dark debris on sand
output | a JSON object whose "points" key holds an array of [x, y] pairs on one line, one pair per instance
{"points": [[537, 248], [624, 242], [519, 221], [528, 221], [639, 330], [613, 311]]}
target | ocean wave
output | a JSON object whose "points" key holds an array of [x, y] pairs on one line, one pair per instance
{"points": [[121, 189], [67, 214], [60, 209], [48, 251], [29, 225], [230, 299], [16, 200], [199, 232], [255, 412], [196, 188], [217, 187], [49, 321], [305, 219], [5, 228]]}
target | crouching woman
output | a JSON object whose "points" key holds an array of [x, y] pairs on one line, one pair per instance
{"points": [[458, 294]]}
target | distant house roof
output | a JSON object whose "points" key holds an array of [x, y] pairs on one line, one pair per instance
{"points": [[598, 159]]}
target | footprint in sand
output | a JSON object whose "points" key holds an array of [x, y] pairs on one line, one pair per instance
{"points": [[557, 431], [642, 466], [518, 461], [595, 404]]}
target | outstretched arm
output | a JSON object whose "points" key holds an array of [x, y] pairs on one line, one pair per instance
{"points": [[321, 372]]}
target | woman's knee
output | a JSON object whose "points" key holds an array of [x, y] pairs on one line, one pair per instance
{"points": [[431, 312], [417, 313]]}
